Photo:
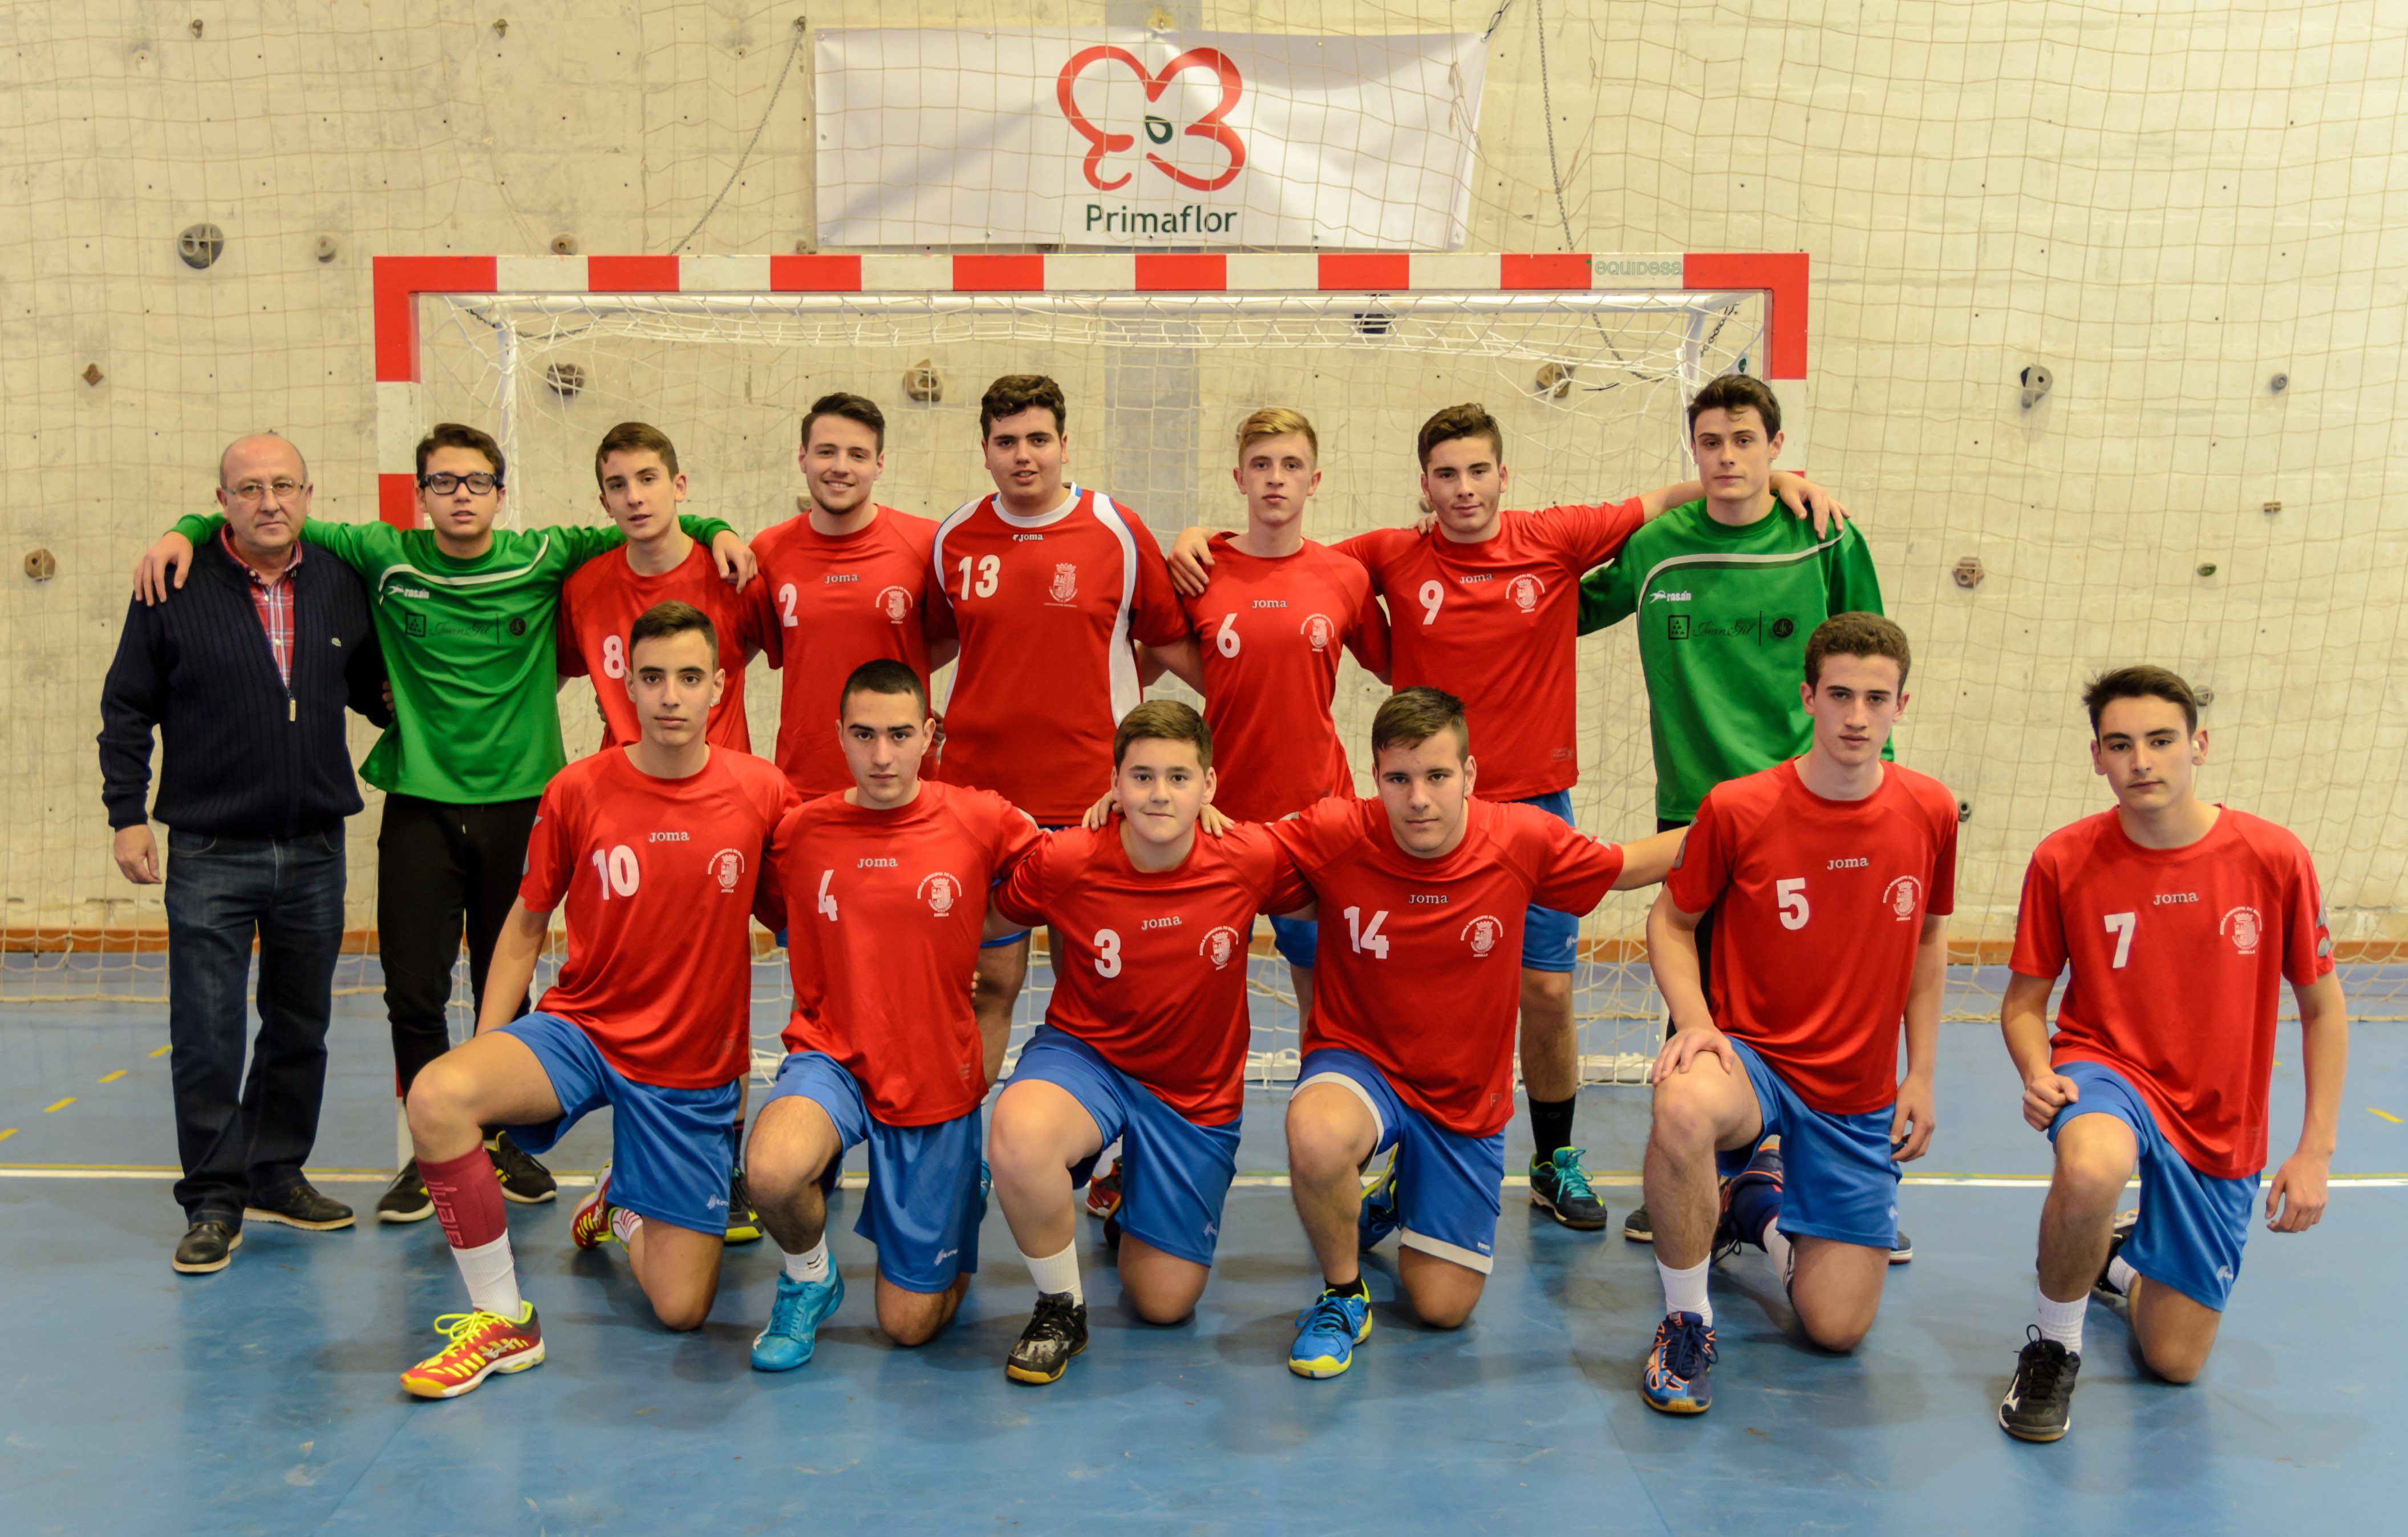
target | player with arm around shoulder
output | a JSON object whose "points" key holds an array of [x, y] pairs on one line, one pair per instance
{"points": [[1830, 878], [2180, 920]]}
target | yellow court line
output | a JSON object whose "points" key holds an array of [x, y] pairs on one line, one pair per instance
{"points": [[112, 1077], [2385, 1113], [61, 1105], [9, 1132], [161, 1052]]}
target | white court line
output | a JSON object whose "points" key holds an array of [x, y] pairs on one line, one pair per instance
{"points": [[1273, 1181]]}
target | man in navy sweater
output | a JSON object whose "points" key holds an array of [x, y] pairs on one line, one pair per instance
{"points": [[246, 677]]}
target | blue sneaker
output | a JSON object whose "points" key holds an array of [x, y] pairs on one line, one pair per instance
{"points": [[1376, 1218], [1675, 1379], [794, 1320], [1739, 1209], [1326, 1334], [1560, 1186]]}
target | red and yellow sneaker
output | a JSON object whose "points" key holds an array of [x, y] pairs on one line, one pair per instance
{"points": [[481, 1344], [588, 1225], [1104, 1192]]}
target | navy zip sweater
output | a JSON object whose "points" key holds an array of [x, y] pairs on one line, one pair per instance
{"points": [[242, 755]]}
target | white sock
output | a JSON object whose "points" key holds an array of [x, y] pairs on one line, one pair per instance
{"points": [[1057, 1273], [810, 1266], [1685, 1291], [2062, 1321], [1776, 1248], [492, 1277], [624, 1225], [2121, 1275]]}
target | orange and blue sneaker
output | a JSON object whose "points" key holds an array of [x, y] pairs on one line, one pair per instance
{"points": [[588, 1225], [1675, 1379], [481, 1343], [1327, 1332], [1377, 1217]]}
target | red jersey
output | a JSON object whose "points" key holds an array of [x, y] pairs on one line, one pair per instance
{"points": [[1819, 911], [601, 601], [1421, 959], [1046, 608], [823, 606], [1150, 968], [884, 909], [2177, 957], [1270, 630], [658, 877]]}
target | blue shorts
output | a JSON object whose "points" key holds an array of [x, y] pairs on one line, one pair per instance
{"points": [[1174, 1173], [1551, 939], [1838, 1178], [672, 1150], [1450, 1186], [924, 1205], [1002, 940], [2192, 1225], [1298, 941]]}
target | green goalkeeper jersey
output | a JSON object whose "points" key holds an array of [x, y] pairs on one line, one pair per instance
{"points": [[469, 647], [1724, 614]]}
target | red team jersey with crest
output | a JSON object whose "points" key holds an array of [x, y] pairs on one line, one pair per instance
{"points": [[1269, 629], [1819, 907], [601, 601], [1421, 959], [2178, 958], [657, 875], [1495, 623], [823, 606], [884, 909], [1046, 608], [1150, 968]]}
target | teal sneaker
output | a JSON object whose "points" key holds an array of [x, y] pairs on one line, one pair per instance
{"points": [[1376, 1218], [1326, 1334], [1560, 1186], [794, 1320], [1675, 1379]]}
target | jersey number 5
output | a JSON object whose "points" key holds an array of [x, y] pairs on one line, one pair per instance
{"points": [[1791, 894]]}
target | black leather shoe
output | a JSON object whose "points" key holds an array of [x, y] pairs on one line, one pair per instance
{"points": [[208, 1246], [300, 1205]]}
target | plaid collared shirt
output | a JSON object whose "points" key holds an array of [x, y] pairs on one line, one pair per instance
{"points": [[273, 602]]}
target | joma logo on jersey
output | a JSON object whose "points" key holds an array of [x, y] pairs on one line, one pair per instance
{"points": [[2242, 926], [1527, 591], [2168, 898], [834, 577], [728, 865], [1219, 947], [1426, 899], [1171, 922], [894, 603], [665, 838], [1066, 582], [1271, 603], [1028, 539], [1317, 631], [1850, 864], [1482, 934], [875, 864], [1904, 895], [940, 891]]}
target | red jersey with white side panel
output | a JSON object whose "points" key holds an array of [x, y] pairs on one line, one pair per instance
{"points": [[1819, 911], [882, 911], [1150, 967], [1420, 965], [1046, 608], [2178, 958], [825, 604], [657, 878], [1494, 624], [601, 601], [1269, 629]]}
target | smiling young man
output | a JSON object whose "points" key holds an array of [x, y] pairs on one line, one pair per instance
{"points": [[1832, 877], [1422, 896], [2181, 920], [1144, 1039], [885, 889], [655, 848]]}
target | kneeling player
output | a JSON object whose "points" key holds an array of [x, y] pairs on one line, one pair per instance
{"points": [[886, 887], [1830, 878], [656, 847], [2181, 920], [1144, 1041], [1409, 1050]]}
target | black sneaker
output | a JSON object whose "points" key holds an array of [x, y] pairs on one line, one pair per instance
{"points": [[523, 1180], [2039, 1402], [1560, 1186], [2102, 1288], [1637, 1227], [406, 1198], [743, 1222], [1113, 1233], [1902, 1249], [300, 1205], [208, 1246], [1057, 1334]]}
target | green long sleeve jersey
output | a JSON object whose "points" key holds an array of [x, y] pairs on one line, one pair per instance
{"points": [[1724, 614], [469, 647]]}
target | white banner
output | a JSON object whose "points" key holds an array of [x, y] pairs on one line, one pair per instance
{"points": [[1139, 140]]}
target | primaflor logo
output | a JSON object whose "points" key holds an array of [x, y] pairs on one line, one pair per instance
{"points": [[1219, 165]]}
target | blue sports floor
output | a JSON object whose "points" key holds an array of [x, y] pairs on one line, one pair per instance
{"points": [[264, 1400]]}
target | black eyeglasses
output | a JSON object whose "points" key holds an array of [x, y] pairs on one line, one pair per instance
{"points": [[443, 485]]}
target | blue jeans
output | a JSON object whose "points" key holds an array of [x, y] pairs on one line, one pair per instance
{"points": [[243, 1137]]}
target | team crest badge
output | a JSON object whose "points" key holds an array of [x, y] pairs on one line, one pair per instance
{"points": [[2240, 925], [1066, 582], [728, 865], [1527, 591], [1220, 946], [1482, 934], [896, 604], [1904, 896], [1316, 631], [940, 891]]}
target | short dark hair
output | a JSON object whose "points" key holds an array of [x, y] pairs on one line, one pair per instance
{"points": [[882, 675], [1737, 392], [1411, 716], [1468, 420], [853, 407], [1163, 720], [671, 618], [459, 435], [1015, 392], [635, 438], [1856, 635], [2140, 683]]}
